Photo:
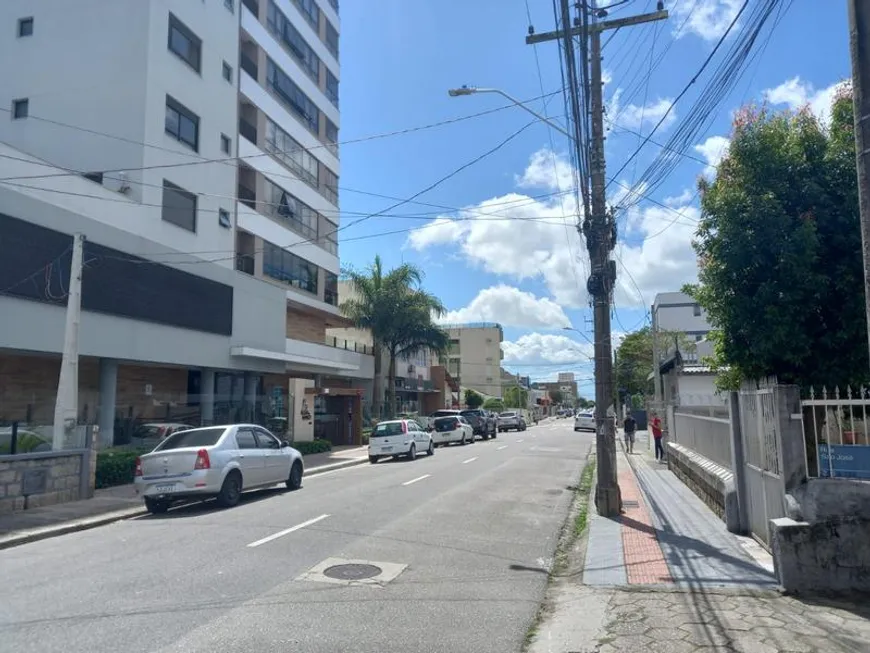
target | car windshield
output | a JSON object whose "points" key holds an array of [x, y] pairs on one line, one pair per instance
{"points": [[472, 413], [385, 429], [508, 415], [195, 438], [443, 413], [445, 421]]}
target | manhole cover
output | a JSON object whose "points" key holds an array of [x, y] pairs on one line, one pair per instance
{"points": [[630, 504], [352, 572]]}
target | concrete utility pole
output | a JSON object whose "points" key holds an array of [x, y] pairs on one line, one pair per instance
{"points": [[600, 240], [66, 406], [859, 44]]}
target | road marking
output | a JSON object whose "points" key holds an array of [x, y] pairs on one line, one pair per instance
{"points": [[504, 446], [287, 531], [419, 478], [520, 440], [470, 460]]}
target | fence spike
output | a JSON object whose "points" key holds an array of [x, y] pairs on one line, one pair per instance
{"points": [[849, 391], [824, 392], [836, 392], [863, 392], [812, 392]]}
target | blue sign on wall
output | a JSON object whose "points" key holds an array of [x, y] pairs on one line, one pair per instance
{"points": [[844, 461]]}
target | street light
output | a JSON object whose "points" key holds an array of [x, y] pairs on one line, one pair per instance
{"points": [[473, 90]]}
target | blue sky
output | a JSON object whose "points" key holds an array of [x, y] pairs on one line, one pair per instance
{"points": [[512, 256]]}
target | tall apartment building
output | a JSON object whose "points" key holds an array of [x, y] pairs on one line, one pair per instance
{"points": [[195, 145], [676, 312], [475, 355], [565, 377]]}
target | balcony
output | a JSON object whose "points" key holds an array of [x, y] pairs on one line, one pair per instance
{"points": [[348, 345], [245, 263], [346, 362], [249, 65], [248, 130]]}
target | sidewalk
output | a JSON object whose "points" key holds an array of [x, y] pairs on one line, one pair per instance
{"points": [[667, 577], [115, 503]]}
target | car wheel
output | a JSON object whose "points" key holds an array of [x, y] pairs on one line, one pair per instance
{"points": [[156, 506], [231, 490], [431, 451], [373, 459], [463, 441], [294, 481], [412, 454]]}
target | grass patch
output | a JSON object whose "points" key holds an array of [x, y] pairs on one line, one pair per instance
{"points": [[582, 496]]}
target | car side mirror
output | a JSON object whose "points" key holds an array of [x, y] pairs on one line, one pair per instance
{"points": [[284, 444]]}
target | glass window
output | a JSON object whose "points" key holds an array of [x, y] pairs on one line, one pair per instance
{"points": [[332, 87], [331, 137], [182, 123], [25, 27], [226, 144], [330, 241], [288, 268], [227, 72], [267, 440], [245, 439], [20, 108], [179, 206], [194, 438], [293, 98], [224, 218], [328, 185], [332, 39], [293, 41], [330, 290], [311, 12], [184, 43], [291, 153], [297, 215]]}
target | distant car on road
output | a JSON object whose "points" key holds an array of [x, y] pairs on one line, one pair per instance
{"points": [[452, 428], [584, 421], [481, 422], [511, 420], [399, 437], [215, 461]]}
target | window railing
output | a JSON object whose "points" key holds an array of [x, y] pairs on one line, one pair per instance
{"points": [[248, 130], [249, 66], [349, 345], [245, 263]]}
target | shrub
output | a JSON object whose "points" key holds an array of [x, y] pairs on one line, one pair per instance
{"points": [[116, 466], [315, 446]]}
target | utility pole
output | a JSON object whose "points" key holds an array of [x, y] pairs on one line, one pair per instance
{"points": [[859, 44], [600, 232], [66, 406]]}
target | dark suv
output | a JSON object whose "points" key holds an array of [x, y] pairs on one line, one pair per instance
{"points": [[482, 421]]}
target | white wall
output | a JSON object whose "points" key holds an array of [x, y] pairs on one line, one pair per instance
{"points": [[675, 311], [699, 390]]}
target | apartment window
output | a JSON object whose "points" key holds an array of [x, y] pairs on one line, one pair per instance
{"points": [[230, 5], [96, 177], [329, 241], [224, 218], [696, 310], [699, 337], [182, 124], [297, 215], [179, 206], [332, 39], [332, 137], [20, 108], [291, 153], [311, 12], [226, 144], [330, 289], [25, 27], [291, 38], [288, 268], [184, 43], [228, 72], [329, 185], [291, 95], [332, 87]]}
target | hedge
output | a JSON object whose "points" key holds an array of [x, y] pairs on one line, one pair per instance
{"points": [[116, 466]]}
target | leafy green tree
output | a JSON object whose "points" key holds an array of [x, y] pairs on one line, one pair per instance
{"points": [[634, 361], [473, 399], [556, 396], [584, 403], [515, 397], [494, 404], [398, 313], [779, 248]]}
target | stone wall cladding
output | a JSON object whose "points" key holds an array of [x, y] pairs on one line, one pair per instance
{"points": [[62, 485]]}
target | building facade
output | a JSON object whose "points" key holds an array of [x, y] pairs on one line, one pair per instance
{"points": [[474, 356], [199, 159]]}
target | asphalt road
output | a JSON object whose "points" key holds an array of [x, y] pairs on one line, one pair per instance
{"points": [[475, 528]]}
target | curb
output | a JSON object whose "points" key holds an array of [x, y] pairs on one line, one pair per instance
{"points": [[105, 519]]}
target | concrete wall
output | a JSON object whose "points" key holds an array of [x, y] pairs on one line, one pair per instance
{"points": [[63, 483], [708, 436], [675, 311]]}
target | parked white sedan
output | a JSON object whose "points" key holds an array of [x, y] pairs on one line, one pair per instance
{"points": [[219, 461], [399, 437], [584, 421], [453, 428]]}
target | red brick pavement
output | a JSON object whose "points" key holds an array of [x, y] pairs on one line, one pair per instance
{"points": [[644, 561]]}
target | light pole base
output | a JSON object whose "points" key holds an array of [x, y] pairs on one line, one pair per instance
{"points": [[608, 501]]}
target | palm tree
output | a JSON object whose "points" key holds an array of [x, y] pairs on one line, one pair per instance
{"points": [[394, 309]]}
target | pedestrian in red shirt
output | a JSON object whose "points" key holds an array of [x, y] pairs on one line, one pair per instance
{"points": [[657, 436]]}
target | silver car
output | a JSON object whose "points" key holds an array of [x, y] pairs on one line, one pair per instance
{"points": [[215, 461]]}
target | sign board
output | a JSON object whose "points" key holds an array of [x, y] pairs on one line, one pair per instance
{"points": [[844, 461], [34, 481], [148, 389]]}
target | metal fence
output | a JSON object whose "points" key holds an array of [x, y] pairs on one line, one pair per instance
{"points": [[708, 436], [837, 432]]}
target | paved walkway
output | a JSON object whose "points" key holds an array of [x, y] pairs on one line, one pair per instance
{"points": [[111, 504]]}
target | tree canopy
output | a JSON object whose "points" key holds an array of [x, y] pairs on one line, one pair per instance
{"points": [[473, 399], [515, 397], [494, 404], [634, 362], [556, 396], [779, 249]]}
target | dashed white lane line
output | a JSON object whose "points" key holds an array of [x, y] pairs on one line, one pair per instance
{"points": [[287, 531], [504, 446], [520, 440], [470, 460], [414, 480]]}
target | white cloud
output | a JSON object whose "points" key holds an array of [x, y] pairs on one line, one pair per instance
{"points": [[713, 150], [510, 307], [438, 232], [544, 349], [634, 116], [520, 238], [796, 93], [680, 199], [708, 19]]}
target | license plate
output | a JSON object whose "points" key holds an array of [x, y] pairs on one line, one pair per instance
{"points": [[167, 487], [388, 448]]}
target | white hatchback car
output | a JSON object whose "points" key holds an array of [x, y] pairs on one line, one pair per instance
{"points": [[452, 428], [215, 461], [584, 421], [399, 437]]}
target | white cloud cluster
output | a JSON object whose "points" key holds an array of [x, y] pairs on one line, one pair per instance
{"points": [[797, 93], [510, 307], [519, 238], [713, 150], [635, 117], [708, 19], [545, 349]]}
